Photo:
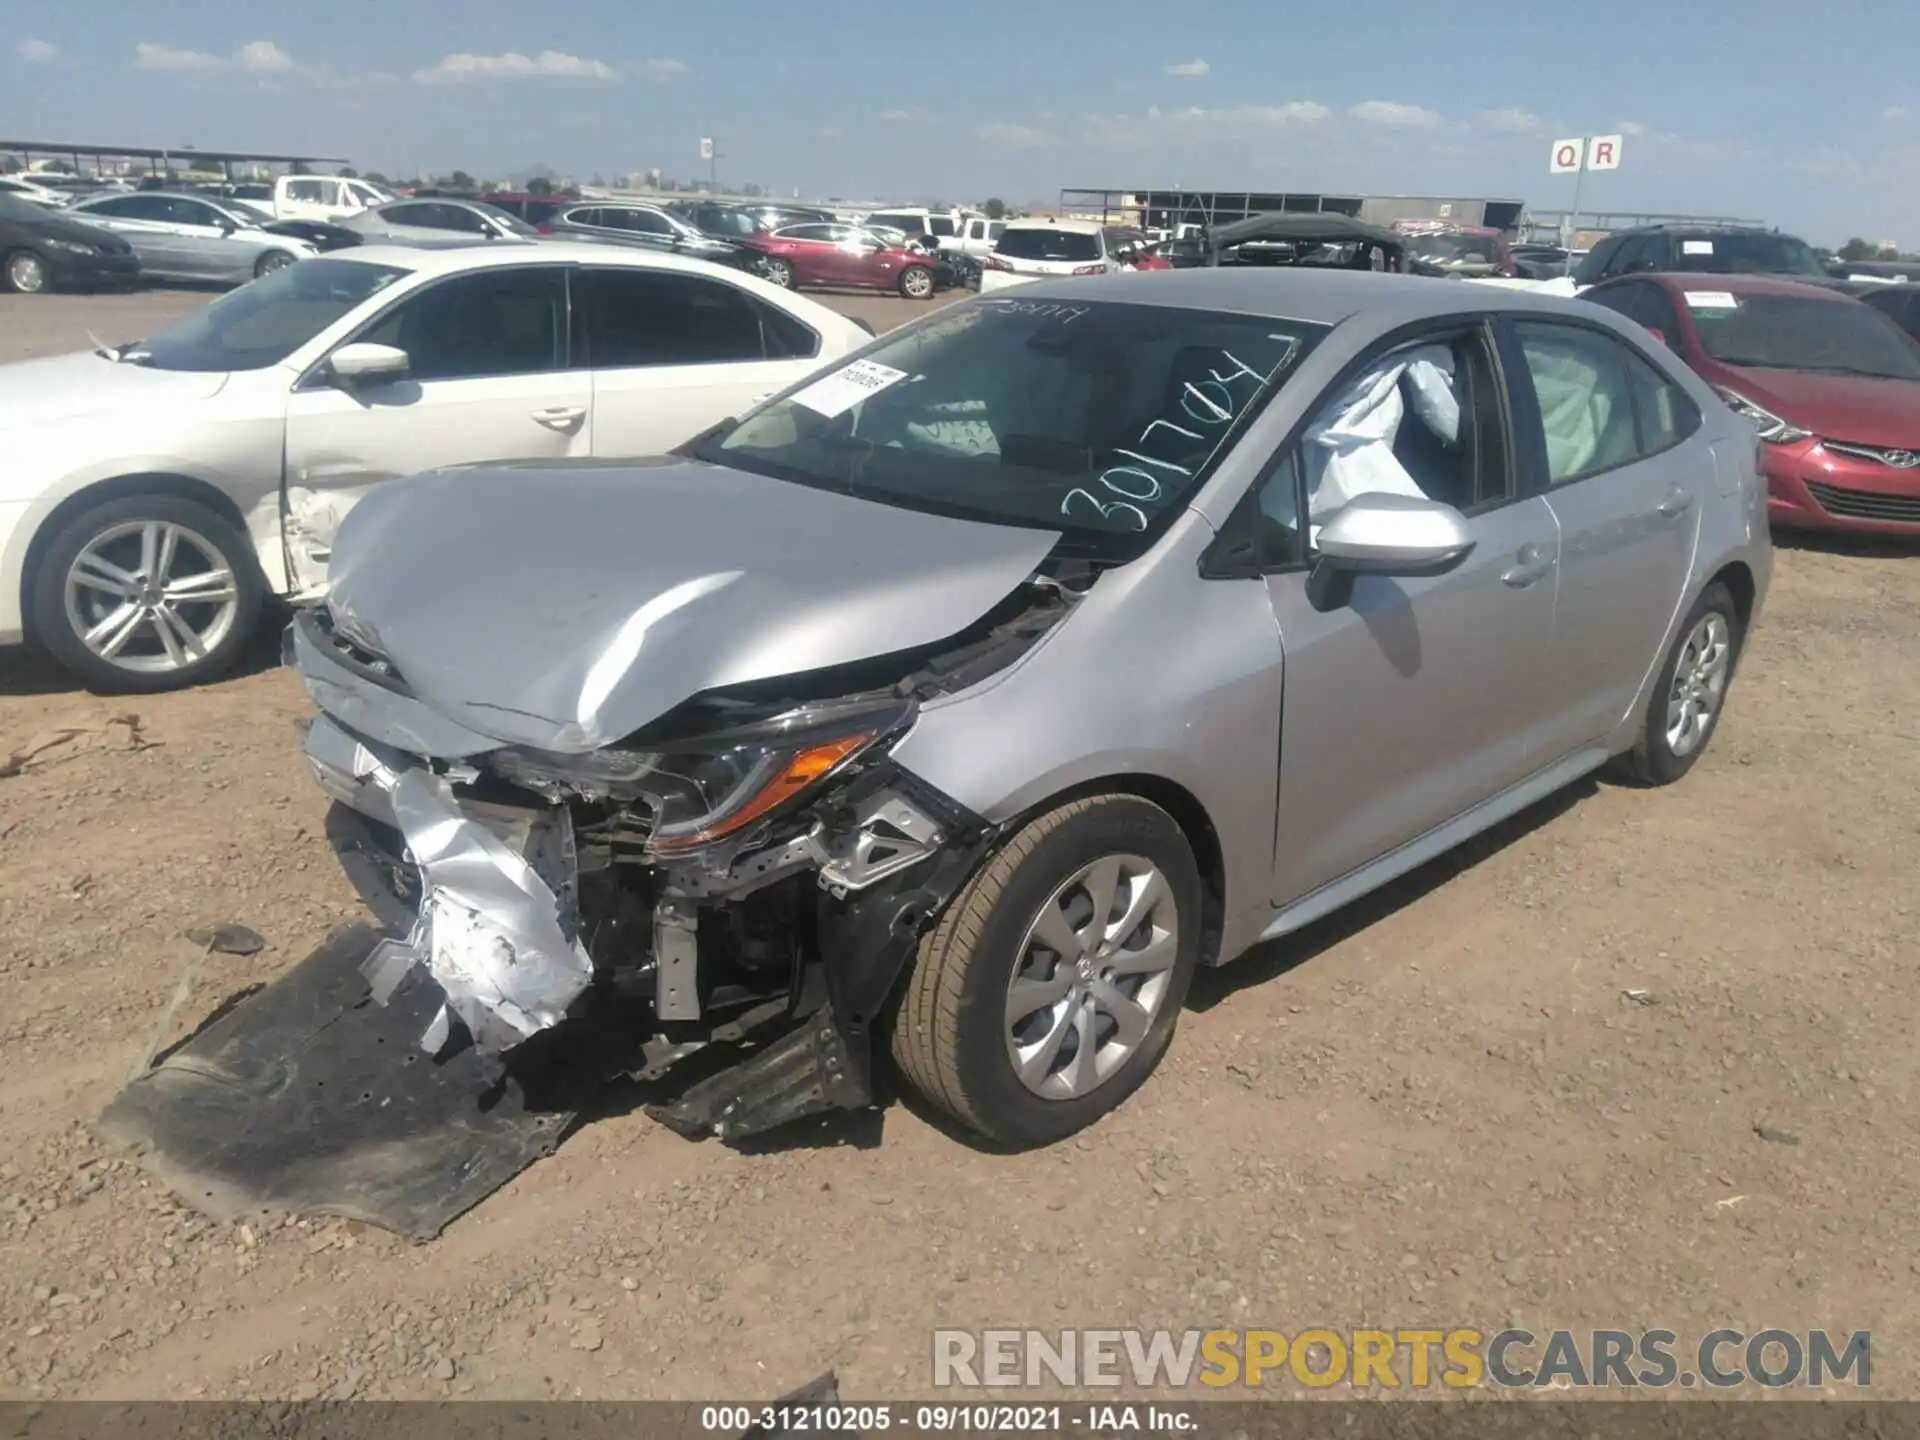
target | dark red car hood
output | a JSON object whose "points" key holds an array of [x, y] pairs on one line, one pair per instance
{"points": [[1839, 407]]}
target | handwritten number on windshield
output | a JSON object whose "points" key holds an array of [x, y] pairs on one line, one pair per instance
{"points": [[1208, 409]]}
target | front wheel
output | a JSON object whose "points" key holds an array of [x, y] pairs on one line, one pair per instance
{"points": [[271, 261], [146, 593], [26, 272], [779, 272], [916, 282], [1050, 988], [1691, 691]]}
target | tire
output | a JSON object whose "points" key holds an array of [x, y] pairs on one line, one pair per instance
{"points": [[954, 1033], [271, 261], [779, 272], [220, 616], [25, 272], [1699, 667], [916, 282]]}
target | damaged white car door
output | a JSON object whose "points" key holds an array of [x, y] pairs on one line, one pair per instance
{"points": [[673, 353], [476, 369]]}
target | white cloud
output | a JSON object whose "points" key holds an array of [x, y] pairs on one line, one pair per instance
{"points": [[903, 115], [263, 56], [1392, 113], [1893, 114], [1513, 121], [38, 51], [515, 66], [149, 56], [1189, 69], [1630, 127], [1019, 136]]}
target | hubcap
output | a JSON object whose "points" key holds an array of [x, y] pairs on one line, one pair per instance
{"points": [[1699, 683], [918, 285], [1093, 973], [151, 596], [26, 274], [779, 274], [275, 260]]}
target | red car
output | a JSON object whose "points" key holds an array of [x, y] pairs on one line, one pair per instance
{"points": [[843, 256], [1832, 386]]}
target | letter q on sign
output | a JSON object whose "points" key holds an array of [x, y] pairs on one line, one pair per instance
{"points": [[1564, 158]]}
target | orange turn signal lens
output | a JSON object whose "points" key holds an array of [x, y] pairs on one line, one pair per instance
{"points": [[807, 767]]}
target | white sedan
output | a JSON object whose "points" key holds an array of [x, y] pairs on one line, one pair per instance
{"points": [[154, 495]]}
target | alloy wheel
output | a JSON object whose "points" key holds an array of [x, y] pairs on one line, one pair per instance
{"points": [[1093, 973], [780, 273], [1699, 684], [26, 273], [918, 284], [151, 596], [271, 261]]}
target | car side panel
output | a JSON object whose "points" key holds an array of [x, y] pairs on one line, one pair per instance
{"points": [[1155, 673]]}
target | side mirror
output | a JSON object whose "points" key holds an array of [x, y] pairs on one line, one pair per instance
{"points": [[363, 363], [1384, 534]]}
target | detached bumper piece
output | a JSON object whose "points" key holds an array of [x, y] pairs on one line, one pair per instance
{"points": [[307, 1096], [810, 1070]]}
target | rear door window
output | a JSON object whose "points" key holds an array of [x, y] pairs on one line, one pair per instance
{"points": [[1585, 387], [643, 317]]}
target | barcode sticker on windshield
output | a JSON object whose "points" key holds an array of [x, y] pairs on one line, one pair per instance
{"points": [[1712, 300], [1696, 247], [847, 387]]}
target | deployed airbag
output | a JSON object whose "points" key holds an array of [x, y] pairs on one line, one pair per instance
{"points": [[1350, 452]]}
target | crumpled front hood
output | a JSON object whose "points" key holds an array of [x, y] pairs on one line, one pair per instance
{"points": [[63, 387], [564, 606]]}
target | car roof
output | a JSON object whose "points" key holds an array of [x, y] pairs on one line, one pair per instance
{"points": [[491, 254], [1325, 297], [1744, 285]]}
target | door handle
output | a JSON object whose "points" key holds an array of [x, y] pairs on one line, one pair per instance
{"points": [[1677, 503], [1534, 564], [560, 417]]}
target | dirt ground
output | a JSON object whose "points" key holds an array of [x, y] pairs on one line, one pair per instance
{"points": [[1526, 1085]]}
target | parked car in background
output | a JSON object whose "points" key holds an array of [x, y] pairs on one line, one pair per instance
{"points": [[655, 228], [325, 197], [941, 226], [737, 222], [1830, 384], [191, 237], [536, 210], [42, 249], [438, 221], [849, 256], [1699, 250], [1899, 303], [1458, 252], [21, 188], [1421, 556], [1030, 249], [155, 493], [323, 235], [1539, 262]]}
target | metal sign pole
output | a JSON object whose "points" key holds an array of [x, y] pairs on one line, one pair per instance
{"points": [[1573, 219]]}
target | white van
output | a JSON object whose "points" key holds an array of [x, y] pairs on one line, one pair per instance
{"points": [[324, 197], [1030, 249]]}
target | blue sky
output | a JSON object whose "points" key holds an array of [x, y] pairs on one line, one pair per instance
{"points": [[1807, 116]]}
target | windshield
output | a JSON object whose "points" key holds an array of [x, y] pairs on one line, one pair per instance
{"points": [[1783, 332], [1757, 254], [727, 222], [262, 323], [513, 222], [1048, 245], [1098, 419]]}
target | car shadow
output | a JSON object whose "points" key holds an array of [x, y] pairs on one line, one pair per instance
{"points": [[29, 671], [1274, 958], [1850, 543]]}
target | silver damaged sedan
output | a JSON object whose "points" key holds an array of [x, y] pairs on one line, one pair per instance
{"points": [[963, 700]]}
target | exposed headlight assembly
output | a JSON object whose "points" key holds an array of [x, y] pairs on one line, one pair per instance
{"points": [[1769, 426], [708, 787], [69, 247]]}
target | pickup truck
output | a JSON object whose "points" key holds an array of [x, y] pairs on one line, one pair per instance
{"points": [[977, 235], [322, 197]]}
